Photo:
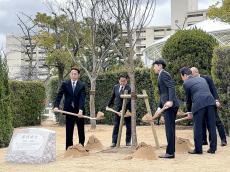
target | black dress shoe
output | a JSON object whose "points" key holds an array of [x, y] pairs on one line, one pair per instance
{"points": [[194, 152], [167, 156], [113, 145], [211, 151], [128, 144], [223, 143], [205, 143]]}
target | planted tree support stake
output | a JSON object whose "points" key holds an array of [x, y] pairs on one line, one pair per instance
{"points": [[121, 120], [151, 123]]}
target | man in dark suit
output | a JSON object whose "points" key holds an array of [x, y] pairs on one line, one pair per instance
{"points": [[117, 101], [74, 101], [202, 104], [219, 124], [169, 100]]}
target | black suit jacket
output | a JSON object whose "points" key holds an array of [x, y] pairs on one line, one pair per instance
{"points": [[198, 94], [166, 88], [211, 86], [78, 96], [116, 100]]}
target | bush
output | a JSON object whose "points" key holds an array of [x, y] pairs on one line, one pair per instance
{"points": [[221, 77], [6, 128], [104, 88], [28, 100], [188, 48]]}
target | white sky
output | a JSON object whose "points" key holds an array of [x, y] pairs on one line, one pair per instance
{"points": [[9, 9]]}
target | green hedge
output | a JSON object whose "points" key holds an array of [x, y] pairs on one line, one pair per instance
{"points": [[6, 128], [52, 93], [104, 88], [221, 76], [28, 100], [105, 85]]}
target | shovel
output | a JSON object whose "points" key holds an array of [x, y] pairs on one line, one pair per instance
{"points": [[127, 114], [100, 115], [149, 118], [185, 118]]}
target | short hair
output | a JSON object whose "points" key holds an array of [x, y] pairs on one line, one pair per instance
{"points": [[195, 70], [185, 70], [160, 61], [123, 76], [74, 68]]}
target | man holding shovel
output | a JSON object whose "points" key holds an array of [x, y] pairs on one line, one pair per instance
{"points": [[169, 102], [74, 101], [116, 100], [201, 103], [219, 124]]}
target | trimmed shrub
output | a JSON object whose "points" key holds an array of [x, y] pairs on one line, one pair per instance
{"points": [[188, 48], [6, 128], [52, 93], [221, 77], [28, 100]]}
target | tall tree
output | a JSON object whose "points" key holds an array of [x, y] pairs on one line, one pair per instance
{"points": [[222, 12], [5, 113], [91, 48], [132, 16], [52, 38], [28, 45]]}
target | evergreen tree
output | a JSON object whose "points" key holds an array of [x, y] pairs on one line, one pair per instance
{"points": [[6, 128]]}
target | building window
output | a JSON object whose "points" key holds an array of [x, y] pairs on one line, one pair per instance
{"points": [[157, 37], [141, 46], [141, 39], [158, 30], [140, 31], [195, 15], [139, 55]]}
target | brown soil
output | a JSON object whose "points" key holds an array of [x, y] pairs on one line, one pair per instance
{"points": [[94, 144], [144, 151], [183, 145], [113, 161], [76, 151]]}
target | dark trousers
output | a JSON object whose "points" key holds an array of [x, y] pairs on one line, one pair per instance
{"points": [[170, 117], [70, 122], [220, 128], [116, 129], [207, 113]]}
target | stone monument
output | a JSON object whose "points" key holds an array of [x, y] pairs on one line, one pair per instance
{"points": [[33, 146]]}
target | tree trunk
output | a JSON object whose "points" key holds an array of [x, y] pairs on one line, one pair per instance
{"points": [[133, 107], [30, 71], [92, 103], [228, 117], [60, 74]]}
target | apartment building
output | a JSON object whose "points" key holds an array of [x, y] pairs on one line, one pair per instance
{"points": [[18, 60], [147, 36]]}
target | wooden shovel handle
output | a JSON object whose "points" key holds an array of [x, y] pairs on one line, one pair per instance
{"points": [[74, 114], [182, 119], [157, 113], [112, 110]]}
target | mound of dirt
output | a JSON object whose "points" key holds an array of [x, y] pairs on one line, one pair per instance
{"points": [[143, 151], [76, 151], [94, 144], [147, 118], [183, 145]]}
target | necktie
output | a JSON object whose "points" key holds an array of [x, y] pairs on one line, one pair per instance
{"points": [[73, 86], [121, 89]]}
